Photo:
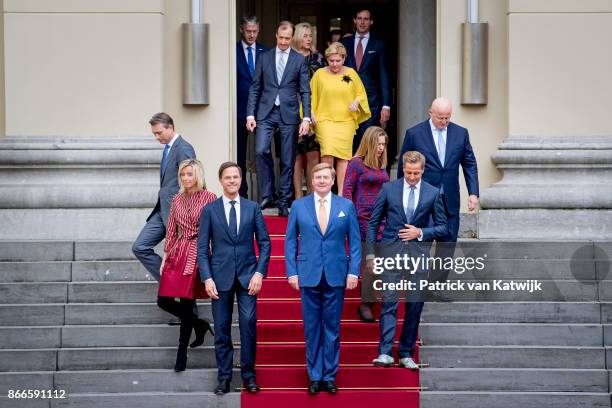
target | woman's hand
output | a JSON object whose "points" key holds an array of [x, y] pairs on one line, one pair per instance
{"points": [[354, 106]]}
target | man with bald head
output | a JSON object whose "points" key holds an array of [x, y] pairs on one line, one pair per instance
{"points": [[445, 146]]}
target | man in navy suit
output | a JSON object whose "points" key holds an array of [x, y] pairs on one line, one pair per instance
{"points": [[247, 54], [323, 222], [176, 149], [445, 145], [280, 75], [227, 228], [408, 204], [366, 55]]}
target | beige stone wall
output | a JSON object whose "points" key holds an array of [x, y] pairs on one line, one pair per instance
{"points": [[2, 96], [559, 67], [84, 68], [209, 128], [488, 125]]}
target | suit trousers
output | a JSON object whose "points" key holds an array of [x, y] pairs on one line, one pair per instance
{"points": [[222, 309], [241, 153], [151, 234], [322, 312], [410, 328], [445, 247], [265, 163]]}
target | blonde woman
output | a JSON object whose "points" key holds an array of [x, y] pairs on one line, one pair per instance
{"points": [[179, 272], [339, 105], [365, 175], [307, 148]]}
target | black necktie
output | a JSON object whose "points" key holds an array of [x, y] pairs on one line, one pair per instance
{"points": [[233, 220]]}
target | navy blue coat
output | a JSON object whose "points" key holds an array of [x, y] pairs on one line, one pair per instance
{"points": [[231, 258], [244, 79], [458, 152]]}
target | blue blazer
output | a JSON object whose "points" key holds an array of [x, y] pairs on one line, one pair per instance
{"points": [[373, 71], [265, 87], [322, 253], [244, 78], [230, 258], [458, 152], [168, 183], [389, 204]]}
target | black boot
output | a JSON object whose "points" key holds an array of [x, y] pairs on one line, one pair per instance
{"points": [[181, 359], [181, 354], [201, 327]]}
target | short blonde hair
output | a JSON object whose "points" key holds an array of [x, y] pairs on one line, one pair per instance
{"points": [[298, 36], [369, 145], [323, 166], [198, 173], [335, 48], [413, 157]]}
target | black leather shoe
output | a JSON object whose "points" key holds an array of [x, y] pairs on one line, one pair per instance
{"points": [[201, 327], [223, 387], [314, 387], [365, 313], [250, 385], [330, 387], [267, 203], [283, 212]]}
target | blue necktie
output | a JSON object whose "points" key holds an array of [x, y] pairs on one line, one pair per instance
{"points": [[410, 208], [164, 162], [250, 60], [233, 221], [441, 147]]}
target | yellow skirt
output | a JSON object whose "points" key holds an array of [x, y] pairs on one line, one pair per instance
{"points": [[336, 138]]}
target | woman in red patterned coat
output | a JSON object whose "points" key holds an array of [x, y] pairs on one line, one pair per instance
{"points": [[179, 272]]}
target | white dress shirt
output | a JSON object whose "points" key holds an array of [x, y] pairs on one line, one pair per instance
{"points": [[245, 49], [228, 207], [176, 136], [406, 196]]}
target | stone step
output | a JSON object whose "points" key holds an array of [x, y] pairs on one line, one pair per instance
{"points": [[153, 380], [35, 251], [58, 271], [19, 337], [513, 312], [128, 336], [21, 293], [32, 315], [37, 380], [466, 399], [494, 334], [113, 358], [105, 250], [513, 357], [518, 379], [28, 360], [605, 291], [100, 271], [149, 400], [527, 249], [110, 292]]}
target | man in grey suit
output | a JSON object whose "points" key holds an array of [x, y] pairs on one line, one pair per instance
{"points": [[280, 75], [176, 150]]}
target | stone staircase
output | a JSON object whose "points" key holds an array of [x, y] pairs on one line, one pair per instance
{"points": [[80, 317]]}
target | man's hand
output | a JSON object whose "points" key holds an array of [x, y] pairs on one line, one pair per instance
{"points": [[370, 265], [255, 283], [211, 289], [251, 124], [354, 106], [293, 281], [351, 282], [472, 202], [304, 127], [385, 114], [409, 233]]}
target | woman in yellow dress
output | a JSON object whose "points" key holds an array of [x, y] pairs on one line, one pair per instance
{"points": [[339, 105]]}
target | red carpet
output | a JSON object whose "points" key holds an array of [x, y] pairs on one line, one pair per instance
{"points": [[281, 366]]}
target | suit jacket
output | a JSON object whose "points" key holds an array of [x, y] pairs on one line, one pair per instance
{"points": [[244, 78], [229, 258], [322, 253], [373, 71], [458, 151], [265, 87], [169, 186], [389, 204]]}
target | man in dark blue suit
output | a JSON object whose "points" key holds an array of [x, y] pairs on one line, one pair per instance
{"points": [[407, 204], [280, 75], [247, 53], [323, 222], [176, 149], [445, 145], [366, 55], [228, 266]]}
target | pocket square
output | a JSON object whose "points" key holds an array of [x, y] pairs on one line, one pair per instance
{"points": [[371, 52], [342, 214]]}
